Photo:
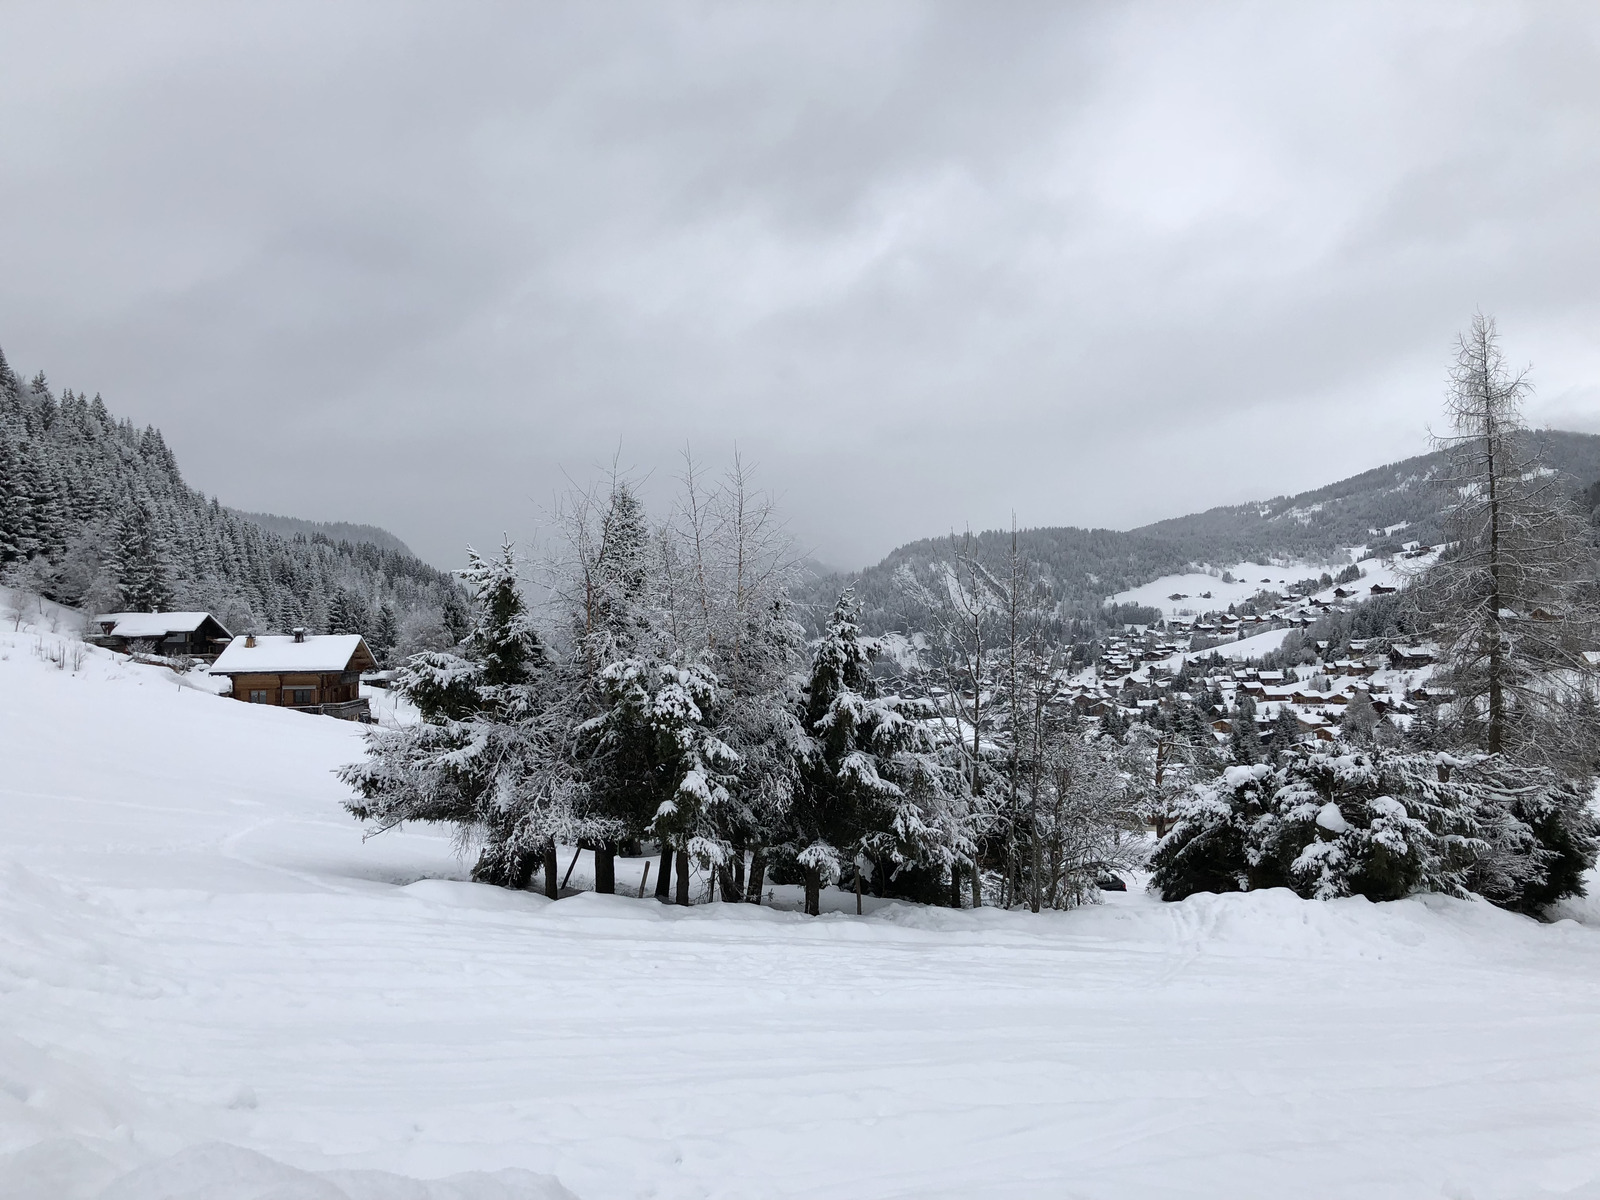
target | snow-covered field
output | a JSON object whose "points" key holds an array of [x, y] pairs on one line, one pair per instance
{"points": [[211, 987], [1251, 577], [1247, 648]]}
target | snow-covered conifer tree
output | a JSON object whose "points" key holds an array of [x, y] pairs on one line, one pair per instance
{"points": [[1285, 733], [600, 579], [385, 633], [656, 731], [139, 563], [491, 754], [1244, 742], [875, 791]]}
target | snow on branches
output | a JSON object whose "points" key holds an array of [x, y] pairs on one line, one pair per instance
{"points": [[1381, 824]]}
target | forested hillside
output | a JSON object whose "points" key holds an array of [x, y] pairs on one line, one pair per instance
{"points": [[95, 513], [1081, 567]]}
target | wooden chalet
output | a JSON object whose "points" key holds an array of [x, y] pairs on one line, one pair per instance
{"points": [[194, 634], [308, 672], [1410, 658]]}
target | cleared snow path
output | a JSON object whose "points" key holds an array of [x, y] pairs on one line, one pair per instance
{"points": [[200, 958]]}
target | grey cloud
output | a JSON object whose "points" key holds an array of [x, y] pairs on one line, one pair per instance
{"points": [[928, 263]]}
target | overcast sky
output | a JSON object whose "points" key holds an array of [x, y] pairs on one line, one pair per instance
{"points": [[925, 264]]}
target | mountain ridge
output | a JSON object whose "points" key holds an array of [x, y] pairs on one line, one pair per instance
{"points": [[334, 531], [1082, 568]]}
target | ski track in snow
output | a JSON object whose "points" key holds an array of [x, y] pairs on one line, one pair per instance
{"points": [[211, 986]]}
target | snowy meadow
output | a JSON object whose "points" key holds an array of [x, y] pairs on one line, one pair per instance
{"points": [[210, 985]]}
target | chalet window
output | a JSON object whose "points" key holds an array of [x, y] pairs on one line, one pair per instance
{"points": [[300, 695], [258, 696]]}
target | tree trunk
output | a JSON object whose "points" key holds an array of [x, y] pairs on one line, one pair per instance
{"points": [[605, 870], [977, 887], [955, 885], [1033, 892], [758, 875], [664, 875], [738, 871], [683, 878], [813, 892], [552, 870], [728, 882], [1497, 699]]}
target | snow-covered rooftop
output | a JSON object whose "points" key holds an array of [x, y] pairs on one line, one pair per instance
{"points": [[153, 625], [278, 653]]}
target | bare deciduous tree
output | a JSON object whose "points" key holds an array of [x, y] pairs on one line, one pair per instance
{"points": [[1511, 597], [1091, 823], [963, 641]]}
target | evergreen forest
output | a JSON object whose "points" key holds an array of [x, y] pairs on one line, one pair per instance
{"points": [[94, 513]]}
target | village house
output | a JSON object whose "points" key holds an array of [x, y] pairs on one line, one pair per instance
{"points": [[1410, 658], [308, 672], [1316, 725], [1433, 695], [173, 634]]}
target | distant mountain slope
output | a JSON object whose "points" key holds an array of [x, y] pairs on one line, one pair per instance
{"points": [[1344, 513], [1081, 567], [334, 531]]}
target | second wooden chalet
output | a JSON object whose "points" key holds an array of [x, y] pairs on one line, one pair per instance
{"points": [[309, 672], [196, 634]]}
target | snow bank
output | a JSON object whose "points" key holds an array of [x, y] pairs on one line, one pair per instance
{"points": [[211, 986], [220, 1172]]}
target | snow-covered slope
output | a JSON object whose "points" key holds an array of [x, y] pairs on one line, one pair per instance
{"points": [[210, 986], [1196, 592]]}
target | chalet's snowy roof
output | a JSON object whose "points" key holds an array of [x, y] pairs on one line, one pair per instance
{"points": [[153, 625], [278, 653]]}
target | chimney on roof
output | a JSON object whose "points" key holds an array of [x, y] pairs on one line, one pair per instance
{"points": [[299, 633], [249, 641]]}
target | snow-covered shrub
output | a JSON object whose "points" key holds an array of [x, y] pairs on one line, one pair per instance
{"points": [[1540, 835], [1208, 848], [1563, 822], [1381, 824], [1350, 825]]}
